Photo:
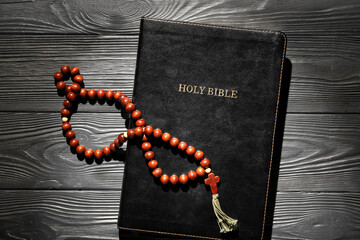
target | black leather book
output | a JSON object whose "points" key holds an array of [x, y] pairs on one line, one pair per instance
{"points": [[216, 88]]}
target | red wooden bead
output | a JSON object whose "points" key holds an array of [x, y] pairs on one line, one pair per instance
{"points": [[130, 107], [91, 93], [166, 137], [58, 76], [149, 155], [83, 93], [65, 69], [75, 87], [140, 122], [182, 146], [125, 101], [157, 172], [131, 133], [190, 150], [174, 179], [112, 147], [109, 94], [122, 96], [66, 126], [146, 146], [157, 133], [199, 155], [200, 171], [71, 96], [73, 142], [89, 153], [121, 138], [80, 149], [98, 154], [67, 104], [148, 130], [174, 142], [117, 142], [138, 131], [74, 71], [136, 114], [107, 151], [79, 79], [152, 164], [68, 88], [61, 85], [183, 179], [117, 95], [70, 134], [65, 112], [205, 163], [164, 179], [192, 175], [100, 94]]}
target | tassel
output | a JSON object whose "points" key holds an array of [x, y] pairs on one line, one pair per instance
{"points": [[226, 223]]}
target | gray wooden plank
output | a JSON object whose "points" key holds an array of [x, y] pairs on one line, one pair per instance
{"points": [[320, 152], [320, 82], [93, 214], [35, 155], [320, 216], [320, 18], [29, 63], [59, 214]]}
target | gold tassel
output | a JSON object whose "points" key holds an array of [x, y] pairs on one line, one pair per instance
{"points": [[226, 223]]}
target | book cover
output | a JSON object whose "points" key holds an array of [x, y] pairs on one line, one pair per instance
{"points": [[217, 88]]}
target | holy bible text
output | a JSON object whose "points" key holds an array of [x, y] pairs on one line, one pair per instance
{"points": [[218, 92]]}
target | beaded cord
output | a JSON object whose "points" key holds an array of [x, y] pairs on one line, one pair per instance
{"points": [[142, 132]]}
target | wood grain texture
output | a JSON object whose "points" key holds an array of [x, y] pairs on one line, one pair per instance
{"points": [[49, 215], [35, 155], [28, 63], [320, 83], [324, 17], [93, 214], [320, 152], [320, 216]]}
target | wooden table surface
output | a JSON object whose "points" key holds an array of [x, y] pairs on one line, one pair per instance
{"points": [[46, 193]]}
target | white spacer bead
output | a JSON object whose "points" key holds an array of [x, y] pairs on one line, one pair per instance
{"points": [[208, 170], [65, 119], [125, 135]]}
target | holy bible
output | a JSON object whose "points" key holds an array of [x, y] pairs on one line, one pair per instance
{"points": [[217, 88]]}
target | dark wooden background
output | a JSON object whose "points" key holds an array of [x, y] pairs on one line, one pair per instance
{"points": [[46, 193]]}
